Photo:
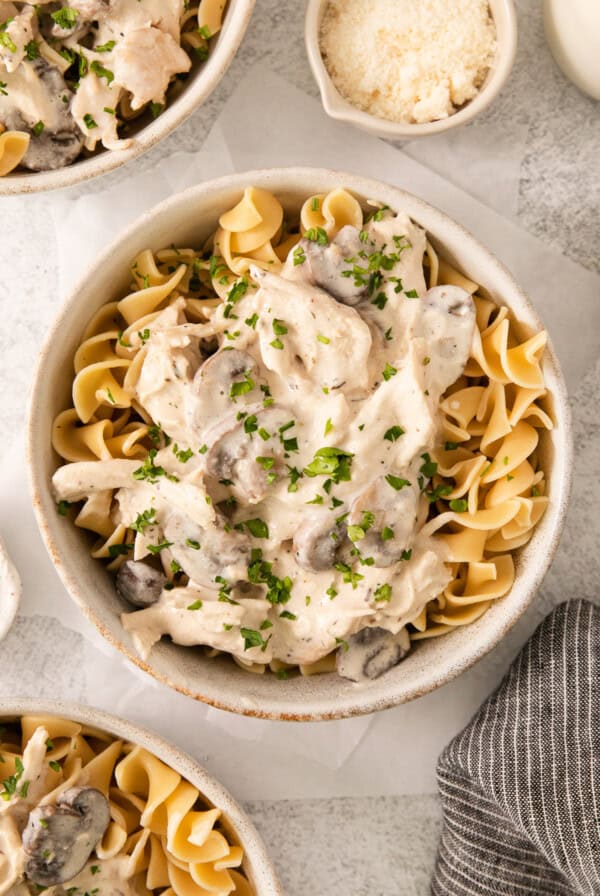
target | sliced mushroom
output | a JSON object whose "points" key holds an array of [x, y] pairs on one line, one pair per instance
{"points": [[387, 518], [58, 840], [370, 653], [211, 394], [57, 145], [328, 266], [207, 553], [139, 583], [318, 540], [448, 323], [234, 449]]}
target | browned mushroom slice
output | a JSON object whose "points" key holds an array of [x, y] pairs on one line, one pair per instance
{"points": [[207, 553], [58, 840], [226, 380], [318, 540], [57, 145], [386, 518], [330, 267], [139, 583], [370, 653], [238, 448]]}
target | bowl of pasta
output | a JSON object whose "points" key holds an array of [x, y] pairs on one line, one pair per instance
{"points": [[92, 803], [89, 86], [300, 424]]}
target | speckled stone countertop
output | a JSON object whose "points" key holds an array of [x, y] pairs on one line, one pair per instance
{"points": [[375, 846]]}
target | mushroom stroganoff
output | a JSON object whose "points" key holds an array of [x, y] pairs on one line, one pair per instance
{"points": [[305, 446], [84, 813], [73, 75]]}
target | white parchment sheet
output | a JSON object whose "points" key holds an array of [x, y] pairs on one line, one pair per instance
{"points": [[269, 123]]}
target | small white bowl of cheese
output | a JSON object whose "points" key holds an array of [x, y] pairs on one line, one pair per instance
{"points": [[409, 69]]}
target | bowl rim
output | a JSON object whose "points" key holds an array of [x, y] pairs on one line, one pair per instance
{"points": [[228, 41], [342, 110], [265, 878], [560, 477]]}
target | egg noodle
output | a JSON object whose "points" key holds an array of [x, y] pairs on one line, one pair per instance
{"points": [[82, 72], [162, 837], [482, 485]]}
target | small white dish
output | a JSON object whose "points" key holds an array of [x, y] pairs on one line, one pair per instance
{"points": [[503, 13], [202, 82], [188, 219], [256, 865], [10, 591]]}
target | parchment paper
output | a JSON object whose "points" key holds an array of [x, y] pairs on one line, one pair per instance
{"points": [[269, 123]]}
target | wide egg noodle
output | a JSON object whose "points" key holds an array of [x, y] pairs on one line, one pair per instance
{"points": [[13, 146]]}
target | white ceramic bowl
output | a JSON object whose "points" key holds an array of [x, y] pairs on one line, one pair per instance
{"points": [[336, 106], [201, 83], [257, 865], [189, 218]]}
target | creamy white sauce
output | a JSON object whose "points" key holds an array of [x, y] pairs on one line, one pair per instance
{"points": [[346, 376]]}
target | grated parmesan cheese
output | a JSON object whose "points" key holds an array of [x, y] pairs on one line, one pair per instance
{"points": [[408, 60]]}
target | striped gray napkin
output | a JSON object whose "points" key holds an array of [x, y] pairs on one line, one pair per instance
{"points": [[520, 786]]}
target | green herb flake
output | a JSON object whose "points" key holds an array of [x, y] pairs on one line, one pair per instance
{"points": [[389, 372], [196, 605], [393, 433]]}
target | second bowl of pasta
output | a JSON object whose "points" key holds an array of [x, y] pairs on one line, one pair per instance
{"points": [[93, 804], [303, 426]]}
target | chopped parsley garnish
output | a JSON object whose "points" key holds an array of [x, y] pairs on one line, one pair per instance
{"points": [[144, 520], [242, 387], [181, 455], [383, 593], [203, 449], [331, 592], [380, 300], [105, 48], [285, 614], [32, 50], [332, 462], [317, 235], [196, 605], [535, 492], [295, 475], [88, 120], [156, 109], [192, 543], [387, 533], [257, 527], [411, 294], [450, 446], [343, 644], [429, 467], [459, 505], [54, 765], [62, 507], [314, 204], [237, 291], [250, 424], [389, 372], [276, 343], [279, 328], [350, 577], [175, 567], [393, 433], [102, 72], [328, 426], [440, 491], [396, 482], [324, 339], [252, 321], [157, 548], [150, 473], [267, 463], [260, 572], [65, 18], [11, 783], [252, 638], [299, 256]]}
